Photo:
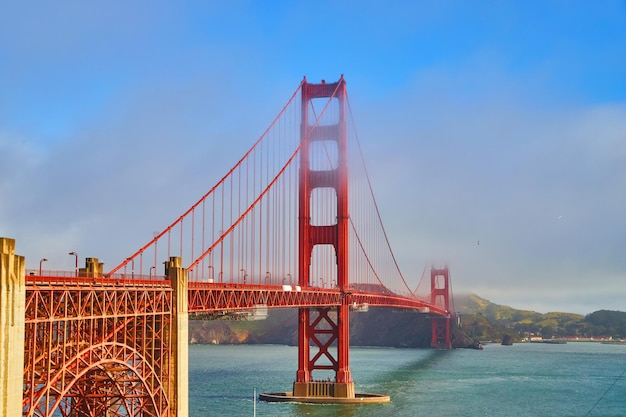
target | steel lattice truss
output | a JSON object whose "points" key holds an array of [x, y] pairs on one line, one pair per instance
{"points": [[97, 350], [206, 298], [225, 297]]}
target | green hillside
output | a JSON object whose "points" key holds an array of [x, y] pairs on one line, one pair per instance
{"points": [[478, 320], [521, 323]]}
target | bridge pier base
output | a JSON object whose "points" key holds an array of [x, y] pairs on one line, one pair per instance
{"points": [[323, 392], [12, 321], [324, 389]]}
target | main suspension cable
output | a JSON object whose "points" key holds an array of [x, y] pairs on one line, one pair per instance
{"points": [[369, 183]]}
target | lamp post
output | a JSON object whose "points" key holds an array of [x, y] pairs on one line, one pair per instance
{"points": [[212, 273], [245, 275], [151, 269], [268, 277], [75, 255], [41, 262]]}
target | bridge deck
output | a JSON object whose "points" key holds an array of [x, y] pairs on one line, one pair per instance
{"points": [[209, 297]]}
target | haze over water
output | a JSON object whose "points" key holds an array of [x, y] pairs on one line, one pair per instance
{"points": [[574, 379]]}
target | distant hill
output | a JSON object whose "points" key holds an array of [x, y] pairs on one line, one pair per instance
{"points": [[479, 320], [520, 323]]}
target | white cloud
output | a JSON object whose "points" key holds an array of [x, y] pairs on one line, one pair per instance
{"points": [[538, 187]]}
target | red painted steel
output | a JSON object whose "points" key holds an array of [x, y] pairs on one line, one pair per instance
{"points": [[440, 296], [313, 324], [216, 297], [225, 298], [95, 350]]}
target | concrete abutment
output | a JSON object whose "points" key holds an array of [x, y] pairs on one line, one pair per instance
{"points": [[12, 321], [179, 383]]}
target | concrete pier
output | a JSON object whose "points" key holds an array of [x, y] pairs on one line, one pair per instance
{"points": [[93, 268], [358, 398], [324, 389], [179, 383], [324, 392], [12, 305]]}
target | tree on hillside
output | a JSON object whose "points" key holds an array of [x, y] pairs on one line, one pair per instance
{"points": [[607, 323]]}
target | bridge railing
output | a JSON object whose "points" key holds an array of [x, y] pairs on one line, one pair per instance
{"points": [[45, 277], [225, 296]]}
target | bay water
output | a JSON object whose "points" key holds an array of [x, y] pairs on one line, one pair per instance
{"points": [[526, 379]]}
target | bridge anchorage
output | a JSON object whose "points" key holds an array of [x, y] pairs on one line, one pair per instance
{"points": [[328, 328]]}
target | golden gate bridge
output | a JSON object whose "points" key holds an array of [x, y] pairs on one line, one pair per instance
{"points": [[288, 226]]}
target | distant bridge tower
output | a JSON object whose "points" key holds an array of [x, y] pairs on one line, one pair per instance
{"points": [[440, 295], [321, 326]]}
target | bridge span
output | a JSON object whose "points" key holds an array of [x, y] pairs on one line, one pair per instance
{"points": [[275, 232]]}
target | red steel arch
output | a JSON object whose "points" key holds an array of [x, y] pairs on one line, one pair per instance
{"points": [[97, 349]]}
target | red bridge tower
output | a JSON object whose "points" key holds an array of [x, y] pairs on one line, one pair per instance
{"points": [[440, 295], [320, 326]]}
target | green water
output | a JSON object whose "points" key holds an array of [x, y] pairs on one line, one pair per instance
{"points": [[574, 379]]}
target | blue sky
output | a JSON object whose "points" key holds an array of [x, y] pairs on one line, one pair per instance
{"points": [[503, 122]]}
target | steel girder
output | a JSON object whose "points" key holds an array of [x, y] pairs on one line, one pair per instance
{"points": [[225, 297], [97, 350]]}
